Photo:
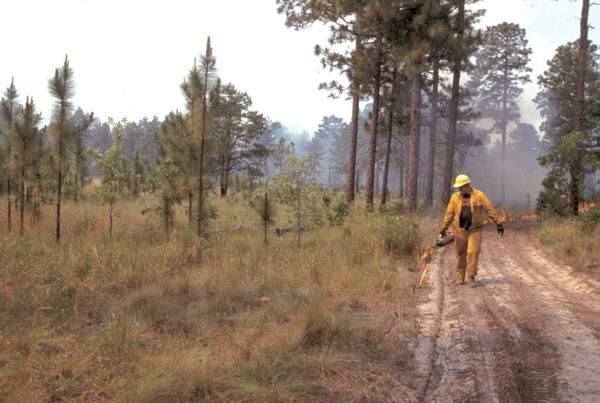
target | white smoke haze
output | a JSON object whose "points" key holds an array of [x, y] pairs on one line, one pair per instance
{"points": [[130, 57]]}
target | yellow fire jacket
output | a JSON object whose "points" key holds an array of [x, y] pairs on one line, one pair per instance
{"points": [[479, 203]]}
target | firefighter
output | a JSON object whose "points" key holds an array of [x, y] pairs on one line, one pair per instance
{"points": [[465, 212]]}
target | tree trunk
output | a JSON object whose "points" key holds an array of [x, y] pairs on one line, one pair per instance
{"points": [[166, 205], [266, 215], [110, 218], [453, 116], [388, 151], [504, 124], [190, 215], [432, 136], [577, 167], [76, 177], [401, 170], [201, 170], [413, 145], [9, 207], [374, 126], [223, 179], [225, 184], [353, 135], [22, 212], [59, 188]]}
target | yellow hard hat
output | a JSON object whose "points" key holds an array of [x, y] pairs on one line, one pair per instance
{"points": [[461, 180]]}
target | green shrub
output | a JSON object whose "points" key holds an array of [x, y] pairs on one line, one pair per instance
{"points": [[400, 236], [337, 213], [397, 207], [590, 219]]}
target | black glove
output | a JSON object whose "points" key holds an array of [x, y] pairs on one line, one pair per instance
{"points": [[443, 233], [500, 229]]}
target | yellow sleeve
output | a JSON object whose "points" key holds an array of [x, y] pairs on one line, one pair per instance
{"points": [[489, 209], [449, 212]]}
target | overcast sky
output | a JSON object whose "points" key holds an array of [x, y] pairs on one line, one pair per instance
{"points": [[129, 56]]}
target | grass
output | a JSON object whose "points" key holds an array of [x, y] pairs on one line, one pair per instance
{"points": [[573, 240], [142, 318]]}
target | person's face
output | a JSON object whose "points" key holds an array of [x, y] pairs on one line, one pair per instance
{"points": [[464, 189]]}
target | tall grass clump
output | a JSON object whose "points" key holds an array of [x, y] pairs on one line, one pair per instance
{"points": [[400, 236], [574, 240]]}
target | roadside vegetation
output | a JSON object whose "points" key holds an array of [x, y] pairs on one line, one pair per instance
{"points": [[575, 240], [136, 317]]}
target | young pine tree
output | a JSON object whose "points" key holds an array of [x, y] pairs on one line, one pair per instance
{"points": [[26, 139], [9, 107], [63, 130], [116, 172]]}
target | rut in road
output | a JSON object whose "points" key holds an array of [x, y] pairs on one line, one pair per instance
{"points": [[529, 332]]}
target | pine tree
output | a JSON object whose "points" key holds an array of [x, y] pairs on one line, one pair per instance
{"points": [[236, 126], [82, 123], [116, 172], [576, 169], [462, 42], [207, 68], [501, 65], [62, 87], [433, 99], [27, 136], [427, 27], [344, 17], [182, 151], [63, 130], [139, 175], [374, 127], [9, 109], [557, 101], [390, 131]]}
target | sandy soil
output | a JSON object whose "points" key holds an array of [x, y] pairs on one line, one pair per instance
{"points": [[529, 332]]}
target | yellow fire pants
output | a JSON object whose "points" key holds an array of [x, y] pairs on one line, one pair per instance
{"points": [[467, 245]]}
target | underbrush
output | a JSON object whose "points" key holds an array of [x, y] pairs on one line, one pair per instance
{"points": [[575, 240], [142, 318]]}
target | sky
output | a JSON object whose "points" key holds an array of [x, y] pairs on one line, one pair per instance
{"points": [[129, 56]]}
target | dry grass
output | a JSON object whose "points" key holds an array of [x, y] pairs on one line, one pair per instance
{"points": [[572, 240], [142, 318]]}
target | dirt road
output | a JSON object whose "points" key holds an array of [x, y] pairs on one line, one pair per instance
{"points": [[530, 332]]}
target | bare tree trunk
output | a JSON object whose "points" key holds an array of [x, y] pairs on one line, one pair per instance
{"points": [[59, 187], [201, 170], [432, 136], [504, 124], [353, 135], [9, 207], [577, 168], [451, 140], [22, 212], [76, 177], [374, 126], [110, 218], [401, 170], [190, 215], [413, 145], [266, 216], [166, 205], [223, 186], [390, 130]]}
